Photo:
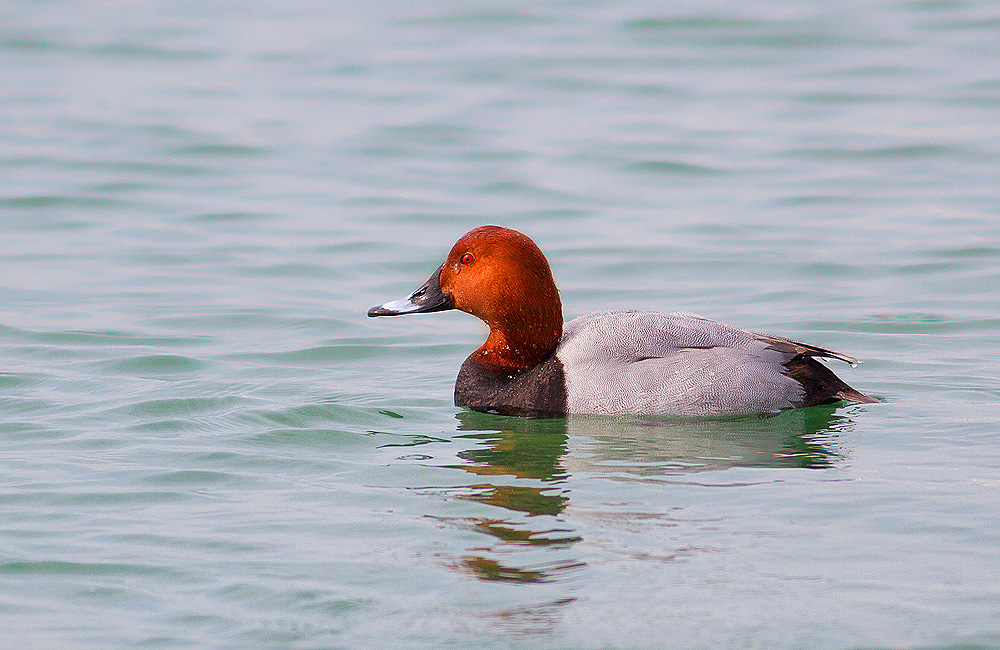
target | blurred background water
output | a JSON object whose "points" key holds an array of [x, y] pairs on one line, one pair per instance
{"points": [[205, 443]]}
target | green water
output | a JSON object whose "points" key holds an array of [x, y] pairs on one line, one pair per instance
{"points": [[205, 443]]}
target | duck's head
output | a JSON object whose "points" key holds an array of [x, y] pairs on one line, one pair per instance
{"points": [[500, 276]]}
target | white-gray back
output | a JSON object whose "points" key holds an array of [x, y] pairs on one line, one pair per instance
{"points": [[643, 362]]}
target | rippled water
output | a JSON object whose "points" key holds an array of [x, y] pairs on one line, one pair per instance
{"points": [[205, 442]]}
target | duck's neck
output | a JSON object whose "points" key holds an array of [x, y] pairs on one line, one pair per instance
{"points": [[522, 335]]}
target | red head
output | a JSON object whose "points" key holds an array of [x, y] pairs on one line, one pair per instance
{"points": [[502, 277]]}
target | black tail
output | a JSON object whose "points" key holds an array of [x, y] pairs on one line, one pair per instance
{"points": [[820, 384]]}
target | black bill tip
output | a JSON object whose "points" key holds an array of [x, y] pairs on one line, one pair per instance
{"points": [[428, 298]]}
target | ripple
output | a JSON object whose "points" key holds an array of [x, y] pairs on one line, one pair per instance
{"points": [[309, 415], [158, 169], [502, 18], [21, 431], [837, 98], [192, 477], [112, 499], [964, 252], [820, 200], [155, 364], [690, 22], [216, 150], [289, 270], [727, 31], [116, 338], [45, 201], [11, 380], [228, 217], [115, 596], [120, 187], [182, 406], [675, 168], [56, 568], [916, 150], [25, 405], [527, 189], [29, 45], [324, 354], [125, 50], [990, 24], [923, 323]]}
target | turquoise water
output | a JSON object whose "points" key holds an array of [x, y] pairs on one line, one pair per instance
{"points": [[205, 443]]}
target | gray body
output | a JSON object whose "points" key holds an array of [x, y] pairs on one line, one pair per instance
{"points": [[643, 362]]}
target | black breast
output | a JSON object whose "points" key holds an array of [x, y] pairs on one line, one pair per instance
{"points": [[538, 391]]}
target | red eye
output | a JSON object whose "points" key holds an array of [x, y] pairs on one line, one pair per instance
{"points": [[467, 258]]}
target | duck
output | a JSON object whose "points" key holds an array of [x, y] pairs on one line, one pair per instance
{"points": [[619, 362]]}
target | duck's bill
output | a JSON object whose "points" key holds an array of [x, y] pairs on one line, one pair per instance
{"points": [[427, 298]]}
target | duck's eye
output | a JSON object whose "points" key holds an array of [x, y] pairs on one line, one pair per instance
{"points": [[467, 258]]}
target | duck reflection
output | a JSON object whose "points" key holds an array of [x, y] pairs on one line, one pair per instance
{"points": [[521, 450], [636, 446], [524, 464]]}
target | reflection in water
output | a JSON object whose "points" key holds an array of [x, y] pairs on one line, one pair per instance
{"points": [[517, 446], [646, 447], [529, 462], [487, 569], [531, 500], [502, 530], [521, 450]]}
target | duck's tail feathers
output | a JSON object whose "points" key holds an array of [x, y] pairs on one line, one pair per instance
{"points": [[794, 348], [821, 386]]}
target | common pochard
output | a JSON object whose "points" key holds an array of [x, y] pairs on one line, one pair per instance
{"points": [[616, 362]]}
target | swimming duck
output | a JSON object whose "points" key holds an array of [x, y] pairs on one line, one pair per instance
{"points": [[615, 362]]}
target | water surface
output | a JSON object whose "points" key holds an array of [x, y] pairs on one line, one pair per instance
{"points": [[205, 442]]}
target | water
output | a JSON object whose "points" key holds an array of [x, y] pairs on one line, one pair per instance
{"points": [[205, 442]]}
